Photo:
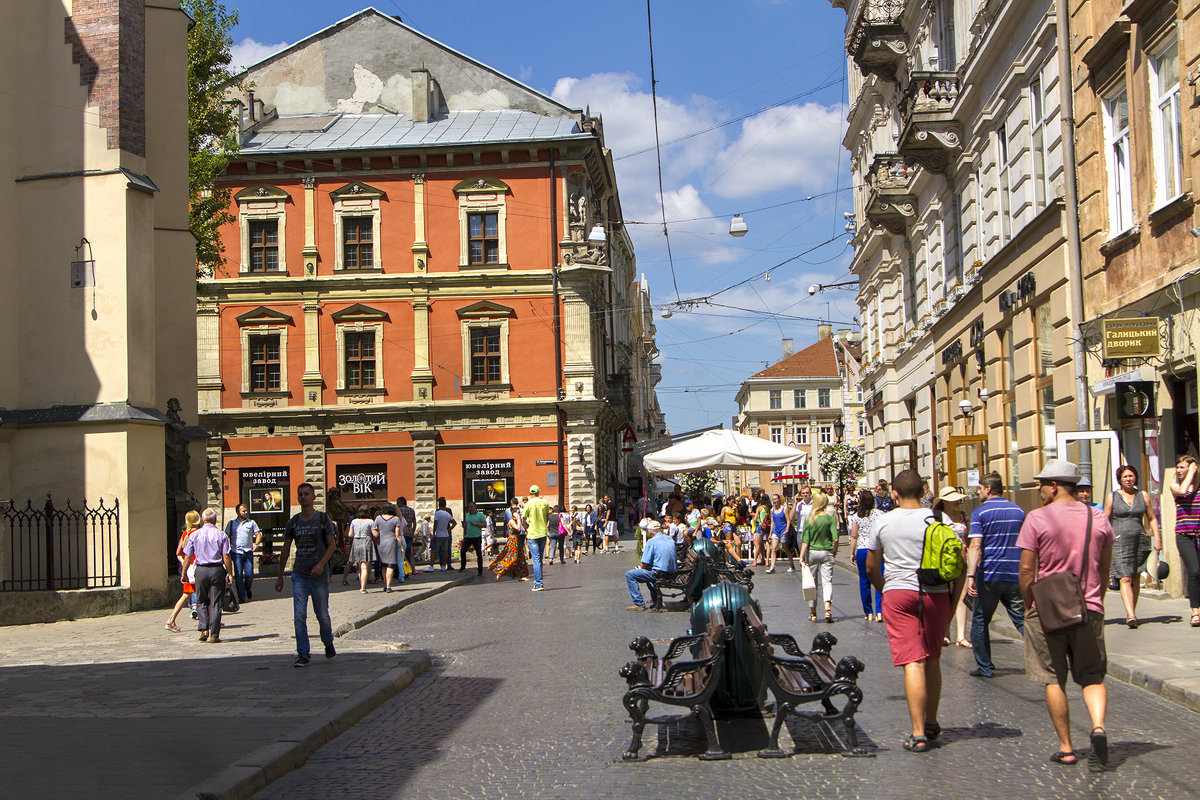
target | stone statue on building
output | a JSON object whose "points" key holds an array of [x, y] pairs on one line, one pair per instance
{"points": [[178, 459]]}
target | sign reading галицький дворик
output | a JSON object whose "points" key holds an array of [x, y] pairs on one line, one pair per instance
{"points": [[1132, 338]]}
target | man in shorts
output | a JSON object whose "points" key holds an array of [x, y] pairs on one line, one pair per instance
{"points": [[609, 526], [916, 616], [1052, 541]]}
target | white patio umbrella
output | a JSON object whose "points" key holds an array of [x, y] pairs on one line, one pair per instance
{"points": [[723, 449]]}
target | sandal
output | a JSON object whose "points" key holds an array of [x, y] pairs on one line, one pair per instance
{"points": [[812, 616], [1132, 622], [916, 744], [1196, 620], [1099, 752], [829, 619], [933, 731], [1066, 759], [171, 626], [964, 643]]}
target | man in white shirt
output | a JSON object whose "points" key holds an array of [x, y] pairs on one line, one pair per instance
{"points": [[246, 536], [443, 523], [916, 616]]}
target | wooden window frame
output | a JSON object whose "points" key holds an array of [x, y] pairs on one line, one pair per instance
{"points": [[824, 398], [490, 358], [483, 239], [353, 354], [269, 226], [357, 224], [775, 399], [265, 363]]}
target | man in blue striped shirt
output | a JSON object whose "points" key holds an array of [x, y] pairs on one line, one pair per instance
{"points": [[993, 560]]}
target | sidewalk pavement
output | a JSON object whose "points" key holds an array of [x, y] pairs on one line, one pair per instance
{"points": [[120, 703], [1161, 656]]}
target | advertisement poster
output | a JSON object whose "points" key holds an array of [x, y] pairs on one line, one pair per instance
{"points": [[362, 482], [488, 484], [266, 491]]}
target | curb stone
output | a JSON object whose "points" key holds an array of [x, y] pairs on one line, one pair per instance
{"points": [[392, 608], [253, 772]]}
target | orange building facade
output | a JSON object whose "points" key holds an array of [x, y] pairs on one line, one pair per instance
{"points": [[410, 305]]}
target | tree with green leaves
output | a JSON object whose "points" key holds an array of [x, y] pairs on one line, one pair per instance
{"points": [[212, 127], [698, 486], [841, 459]]}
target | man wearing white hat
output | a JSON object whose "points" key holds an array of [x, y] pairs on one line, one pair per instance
{"points": [[1066, 536], [658, 560]]}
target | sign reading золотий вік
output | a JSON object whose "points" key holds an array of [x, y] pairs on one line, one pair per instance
{"points": [[1131, 338]]}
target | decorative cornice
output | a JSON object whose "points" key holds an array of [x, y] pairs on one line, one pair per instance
{"points": [[264, 316], [357, 190], [476, 185], [261, 191], [359, 313]]}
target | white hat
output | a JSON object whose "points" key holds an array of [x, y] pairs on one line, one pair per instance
{"points": [[653, 525], [950, 494], [1059, 470]]}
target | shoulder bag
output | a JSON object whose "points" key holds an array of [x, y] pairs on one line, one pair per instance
{"points": [[1059, 597]]}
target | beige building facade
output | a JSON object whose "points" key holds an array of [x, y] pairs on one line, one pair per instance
{"points": [[97, 303]]}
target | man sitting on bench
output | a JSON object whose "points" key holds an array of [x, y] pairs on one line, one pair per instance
{"points": [[658, 560]]}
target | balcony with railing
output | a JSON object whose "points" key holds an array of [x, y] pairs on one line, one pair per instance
{"points": [[876, 40], [928, 133], [890, 202]]}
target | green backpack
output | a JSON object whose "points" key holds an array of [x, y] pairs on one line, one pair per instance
{"points": [[942, 555]]}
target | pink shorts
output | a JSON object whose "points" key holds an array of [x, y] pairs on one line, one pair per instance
{"points": [[913, 639]]}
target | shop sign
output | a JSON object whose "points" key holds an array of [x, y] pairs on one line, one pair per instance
{"points": [[1135, 400], [1131, 338], [489, 484], [362, 481], [952, 353], [1023, 289], [264, 490]]}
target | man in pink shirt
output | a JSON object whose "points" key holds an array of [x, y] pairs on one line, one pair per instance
{"points": [[1052, 541]]}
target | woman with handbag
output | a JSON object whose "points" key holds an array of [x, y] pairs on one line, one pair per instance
{"points": [[362, 546], [862, 532], [1129, 511], [191, 521], [818, 549]]}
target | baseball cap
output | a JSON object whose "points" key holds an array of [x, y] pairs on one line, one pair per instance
{"points": [[534, 489]]}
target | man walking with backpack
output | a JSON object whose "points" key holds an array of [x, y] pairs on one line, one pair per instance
{"points": [[315, 536], [1069, 545], [916, 613], [992, 561]]}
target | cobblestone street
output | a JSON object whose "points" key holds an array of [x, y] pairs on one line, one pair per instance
{"points": [[523, 700]]}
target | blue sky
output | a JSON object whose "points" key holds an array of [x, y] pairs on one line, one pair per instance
{"points": [[755, 94]]}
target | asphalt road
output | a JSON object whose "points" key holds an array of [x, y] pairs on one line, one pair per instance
{"points": [[524, 700]]}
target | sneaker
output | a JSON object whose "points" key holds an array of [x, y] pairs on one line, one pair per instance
{"points": [[194, 614], [791, 569], [770, 570], [301, 661], [329, 651], [538, 589], [978, 673]]}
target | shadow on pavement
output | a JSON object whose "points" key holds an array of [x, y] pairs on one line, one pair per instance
{"points": [[1120, 752], [152, 729]]}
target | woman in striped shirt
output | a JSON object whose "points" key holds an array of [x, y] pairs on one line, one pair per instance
{"points": [[1187, 527]]}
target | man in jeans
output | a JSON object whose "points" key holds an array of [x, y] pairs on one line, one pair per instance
{"points": [[316, 538], [443, 524], [537, 518], [405, 512], [246, 537], [992, 563], [658, 560]]}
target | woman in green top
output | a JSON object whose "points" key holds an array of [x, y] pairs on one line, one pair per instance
{"points": [[818, 548]]}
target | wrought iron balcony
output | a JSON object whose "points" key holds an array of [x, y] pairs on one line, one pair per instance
{"points": [[891, 203], [877, 41], [929, 135]]}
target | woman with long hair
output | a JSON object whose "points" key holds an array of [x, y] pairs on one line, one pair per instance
{"points": [[1187, 529], [862, 532], [191, 521], [511, 560], [946, 509], [818, 549], [1129, 510], [388, 533]]}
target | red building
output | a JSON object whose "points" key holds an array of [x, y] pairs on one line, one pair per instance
{"points": [[410, 304]]}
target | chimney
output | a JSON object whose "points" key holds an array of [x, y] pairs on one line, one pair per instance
{"points": [[824, 331], [420, 95], [788, 348], [843, 335]]}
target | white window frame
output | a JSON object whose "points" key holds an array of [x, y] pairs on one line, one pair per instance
{"points": [[774, 395], [1166, 126], [1041, 131], [827, 396], [465, 326], [825, 434], [357, 207], [265, 330], [802, 435], [340, 332], [800, 398], [1004, 176], [483, 201], [775, 434], [267, 207], [1116, 160]]}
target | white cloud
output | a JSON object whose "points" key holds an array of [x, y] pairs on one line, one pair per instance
{"points": [[248, 52], [796, 147]]}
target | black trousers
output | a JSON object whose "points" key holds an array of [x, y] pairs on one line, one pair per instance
{"points": [[475, 544], [1189, 556], [210, 586]]}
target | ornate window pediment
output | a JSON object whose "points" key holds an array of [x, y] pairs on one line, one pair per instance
{"points": [[484, 309], [264, 316], [481, 185], [357, 190], [359, 313], [262, 192]]}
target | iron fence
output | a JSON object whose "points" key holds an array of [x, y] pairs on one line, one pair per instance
{"points": [[50, 548]]}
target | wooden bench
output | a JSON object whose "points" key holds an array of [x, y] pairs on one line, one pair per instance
{"points": [[726, 569], [687, 682], [795, 678], [676, 585]]}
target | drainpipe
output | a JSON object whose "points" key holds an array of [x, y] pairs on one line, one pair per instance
{"points": [[1066, 89], [558, 374]]}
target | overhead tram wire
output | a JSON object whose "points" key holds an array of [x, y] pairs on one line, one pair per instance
{"points": [[662, 197]]}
